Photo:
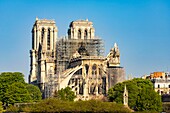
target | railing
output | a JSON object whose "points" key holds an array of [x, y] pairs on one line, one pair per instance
{"points": [[160, 80]]}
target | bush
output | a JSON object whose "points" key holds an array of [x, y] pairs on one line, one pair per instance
{"points": [[1, 107], [55, 105], [12, 108], [65, 94]]}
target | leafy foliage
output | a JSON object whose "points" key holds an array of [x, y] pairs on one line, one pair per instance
{"points": [[141, 95], [18, 93], [9, 77], [65, 94], [34, 92], [1, 107], [145, 100], [54, 105], [13, 89], [12, 108], [6, 81]]}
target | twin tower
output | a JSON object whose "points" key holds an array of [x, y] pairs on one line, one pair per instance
{"points": [[71, 60]]}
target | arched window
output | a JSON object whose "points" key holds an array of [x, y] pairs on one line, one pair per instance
{"points": [[87, 69], [90, 33], [79, 34], [158, 86], [42, 35], [48, 39], [100, 72], [94, 70], [85, 34]]}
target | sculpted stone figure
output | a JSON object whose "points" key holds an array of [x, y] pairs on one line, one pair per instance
{"points": [[76, 54], [113, 57]]}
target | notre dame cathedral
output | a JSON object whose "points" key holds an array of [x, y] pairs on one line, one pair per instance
{"points": [[76, 60]]}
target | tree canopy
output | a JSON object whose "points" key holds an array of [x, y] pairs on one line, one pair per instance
{"points": [[7, 78], [13, 89], [34, 92], [141, 95], [65, 94], [18, 93]]}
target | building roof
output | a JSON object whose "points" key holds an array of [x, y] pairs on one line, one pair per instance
{"points": [[80, 21]]}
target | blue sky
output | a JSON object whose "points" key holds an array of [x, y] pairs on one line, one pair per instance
{"points": [[141, 28]]}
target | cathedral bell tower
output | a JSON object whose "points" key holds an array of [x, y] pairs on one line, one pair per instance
{"points": [[81, 29], [43, 52]]}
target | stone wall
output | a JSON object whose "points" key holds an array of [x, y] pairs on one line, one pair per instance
{"points": [[115, 75]]}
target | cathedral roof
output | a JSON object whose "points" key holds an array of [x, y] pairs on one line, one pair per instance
{"points": [[44, 21], [80, 21]]}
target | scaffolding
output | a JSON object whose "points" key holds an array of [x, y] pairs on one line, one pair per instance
{"points": [[50, 85], [66, 47]]}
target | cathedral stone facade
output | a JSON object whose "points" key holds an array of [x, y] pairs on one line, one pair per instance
{"points": [[75, 60]]}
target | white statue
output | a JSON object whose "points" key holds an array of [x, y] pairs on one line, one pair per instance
{"points": [[125, 97]]}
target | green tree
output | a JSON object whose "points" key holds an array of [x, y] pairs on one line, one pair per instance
{"points": [[18, 93], [148, 100], [65, 94], [6, 80], [140, 92], [34, 92], [9, 77], [13, 89]]}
